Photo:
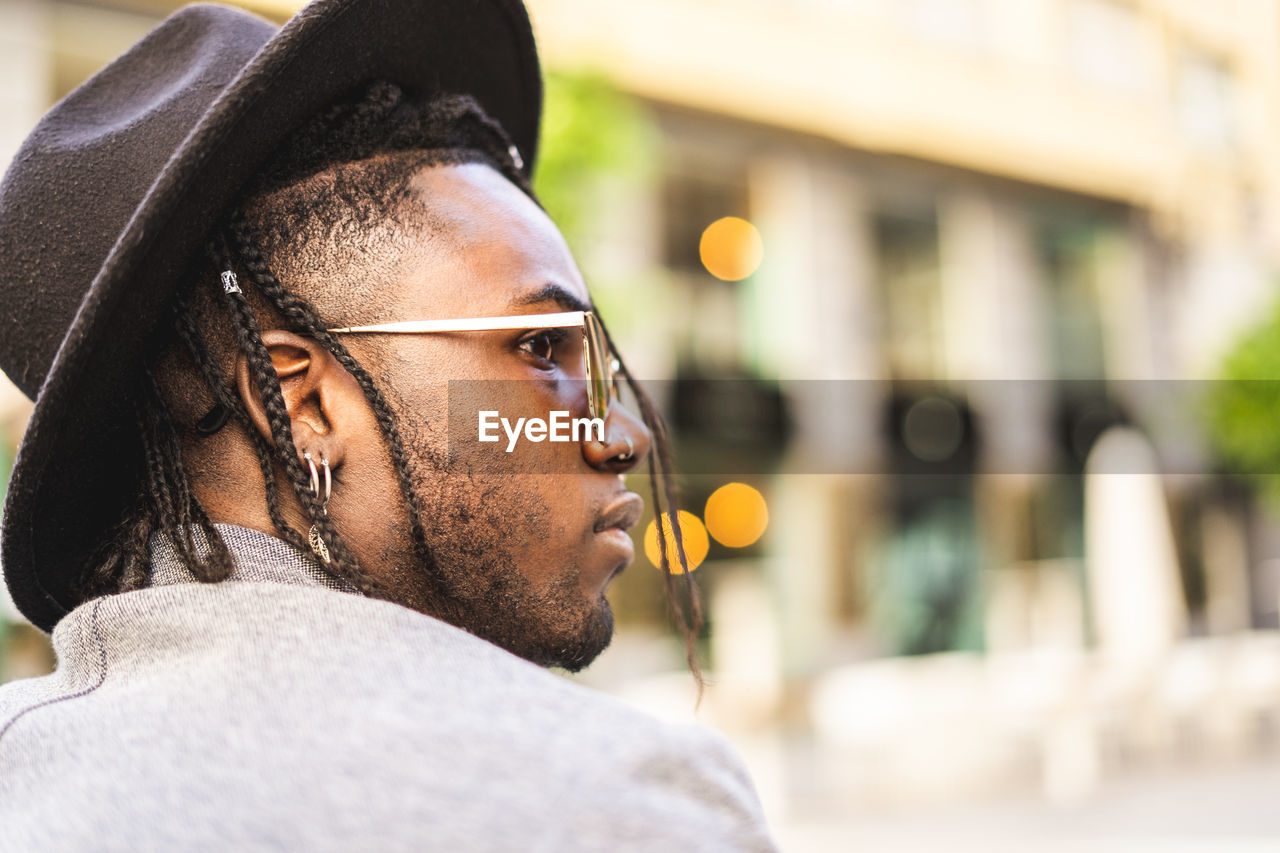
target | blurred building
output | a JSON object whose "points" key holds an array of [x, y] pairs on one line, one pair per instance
{"points": [[994, 232], [1003, 242], [993, 229]]}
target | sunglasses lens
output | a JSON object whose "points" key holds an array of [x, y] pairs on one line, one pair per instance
{"points": [[600, 384]]}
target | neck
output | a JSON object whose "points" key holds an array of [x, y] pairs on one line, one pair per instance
{"points": [[257, 557]]}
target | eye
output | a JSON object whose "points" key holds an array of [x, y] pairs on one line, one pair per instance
{"points": [[542, 344]]}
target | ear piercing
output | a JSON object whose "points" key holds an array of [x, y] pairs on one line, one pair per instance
{"points": [[313, 537]]}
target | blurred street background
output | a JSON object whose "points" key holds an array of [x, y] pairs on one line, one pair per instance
{"points": [[965, 314]]}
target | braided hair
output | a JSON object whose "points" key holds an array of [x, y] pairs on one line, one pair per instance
{"points": [[391, 138]]}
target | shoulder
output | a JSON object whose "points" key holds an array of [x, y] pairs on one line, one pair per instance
{"points": [[275, 646], [330, 701]]}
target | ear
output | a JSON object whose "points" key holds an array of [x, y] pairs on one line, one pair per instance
{"points": [[318, 395]]}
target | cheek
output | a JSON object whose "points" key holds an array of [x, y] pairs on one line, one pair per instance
{"points": [[563, 495], [370, 481], [564, 527], [420, 407], [540, 513]]}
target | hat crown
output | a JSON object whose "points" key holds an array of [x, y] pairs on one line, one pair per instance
{"points": [[88, 165]]}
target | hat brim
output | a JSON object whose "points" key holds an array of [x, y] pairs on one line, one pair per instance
{"points": [[80, 460]]}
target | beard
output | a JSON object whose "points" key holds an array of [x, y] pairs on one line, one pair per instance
{"points": [[470, 574]]}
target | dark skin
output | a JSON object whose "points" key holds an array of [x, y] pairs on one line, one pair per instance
{"points": [[525, 558]]}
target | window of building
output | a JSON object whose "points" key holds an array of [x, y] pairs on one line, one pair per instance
{"points": [[1108, 45], [1073, 312], [910, 284], [708, 337], [692, 200], [1205, 99]]}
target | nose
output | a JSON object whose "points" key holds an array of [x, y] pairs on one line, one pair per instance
{"points": [[626, 442]]}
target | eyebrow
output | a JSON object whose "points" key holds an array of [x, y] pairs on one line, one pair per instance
{"points": [[552, 293]]}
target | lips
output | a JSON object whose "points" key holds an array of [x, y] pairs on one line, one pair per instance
{"points": [[623, 514]]}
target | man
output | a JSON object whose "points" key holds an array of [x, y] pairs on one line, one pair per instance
{"points": [[250, 277]]}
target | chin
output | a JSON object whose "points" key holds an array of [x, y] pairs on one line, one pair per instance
{"points": [[576, 651]]}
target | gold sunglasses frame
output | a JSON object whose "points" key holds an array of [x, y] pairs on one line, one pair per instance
{"points": [[601, 390]]}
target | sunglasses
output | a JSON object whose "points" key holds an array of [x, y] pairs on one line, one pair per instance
{"points": [[602, 367]]}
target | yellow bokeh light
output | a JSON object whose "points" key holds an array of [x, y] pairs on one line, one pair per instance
{"points": [[737, 515], [731, 248], [696, 543]]}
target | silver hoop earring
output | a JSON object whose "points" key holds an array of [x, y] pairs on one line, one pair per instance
{"points": [[314, 539]]}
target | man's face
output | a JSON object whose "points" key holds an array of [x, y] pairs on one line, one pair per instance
{"points": [[524, 559]]}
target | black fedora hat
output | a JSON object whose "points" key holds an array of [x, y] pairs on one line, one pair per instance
{"points": [[115, 191]]}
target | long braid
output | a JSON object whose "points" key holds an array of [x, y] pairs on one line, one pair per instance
{"points": [[167, 506], [661, 472], [229, 401], [249, 339], [302, 318], [180, 517]]}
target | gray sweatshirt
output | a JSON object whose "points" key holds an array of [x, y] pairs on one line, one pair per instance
{"points": [[277, 711]]}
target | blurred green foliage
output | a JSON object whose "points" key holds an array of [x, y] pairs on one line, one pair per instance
{"points": [[1243, 406], [592, 135], [599, 155]]}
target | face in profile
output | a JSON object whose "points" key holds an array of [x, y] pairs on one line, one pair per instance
{"points": [[523, 553]]}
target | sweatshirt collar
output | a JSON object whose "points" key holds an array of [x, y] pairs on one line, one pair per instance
{"points": [[257, 558]]}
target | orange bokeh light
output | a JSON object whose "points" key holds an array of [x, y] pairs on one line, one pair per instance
{"points": [[737, 515], [731, 248], [694, 535]]}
